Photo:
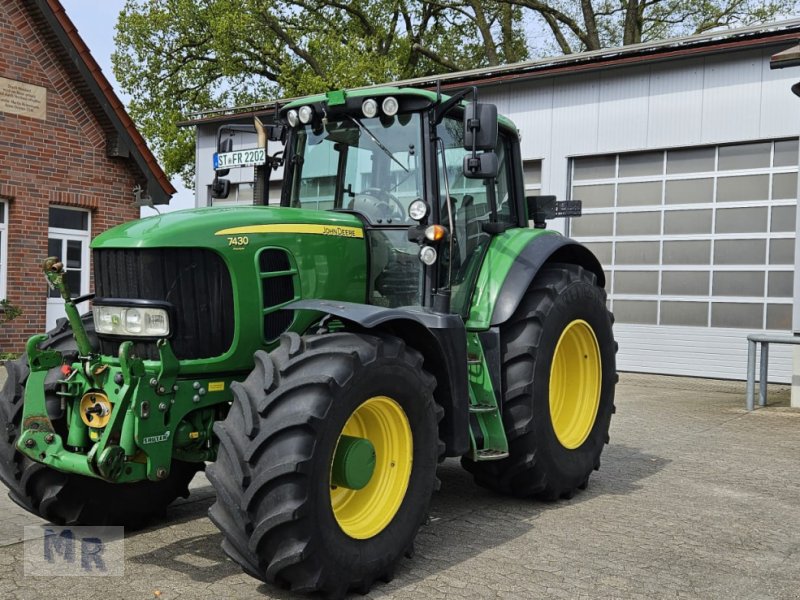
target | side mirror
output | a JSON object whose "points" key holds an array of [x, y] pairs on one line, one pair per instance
{"points": [[276, 133], [220, 188], [480, 126], [224, 146], [481, 166]]}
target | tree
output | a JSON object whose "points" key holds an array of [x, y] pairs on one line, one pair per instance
{"points": [[577, 25], [175, 57]]}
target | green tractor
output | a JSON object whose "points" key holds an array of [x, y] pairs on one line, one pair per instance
{"points": [[326, 354]]}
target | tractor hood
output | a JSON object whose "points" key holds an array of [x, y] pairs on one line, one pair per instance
{"points": [[210, 227]]}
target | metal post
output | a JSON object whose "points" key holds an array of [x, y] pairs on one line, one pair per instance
{"points": [[751, 373], [762, 379]]}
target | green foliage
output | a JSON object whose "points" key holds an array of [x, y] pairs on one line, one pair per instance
{"points": [[176, 57], [8, 311], [594, 24]]}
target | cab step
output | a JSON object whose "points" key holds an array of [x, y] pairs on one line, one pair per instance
{"points": [[474, 359], [482, 408], [491, 454]]}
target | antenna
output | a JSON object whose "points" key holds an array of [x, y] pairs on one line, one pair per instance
{"points": [[438, 91]]}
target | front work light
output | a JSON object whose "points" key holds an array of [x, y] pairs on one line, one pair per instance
{"points": [[139, 321], [369, 107], [390, 106], [427, 254], [418, 210], [293, 118], [306, 113]]}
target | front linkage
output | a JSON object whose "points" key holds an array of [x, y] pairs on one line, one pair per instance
{"points": [[124, 419]]}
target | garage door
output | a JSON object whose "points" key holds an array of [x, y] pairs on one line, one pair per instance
{"points": [[698, 245]]}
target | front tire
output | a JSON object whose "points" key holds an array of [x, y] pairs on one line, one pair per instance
{"points": [[286, 516], [558, 379]]}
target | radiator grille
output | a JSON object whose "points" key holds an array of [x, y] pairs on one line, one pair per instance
{"points": [[276, 290], [195, 281]]}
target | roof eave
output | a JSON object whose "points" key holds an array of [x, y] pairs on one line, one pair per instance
{"points": [[159, 186], [666, 50]]}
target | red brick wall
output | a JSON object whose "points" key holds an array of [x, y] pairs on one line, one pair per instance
{"points": [[60, 161]]}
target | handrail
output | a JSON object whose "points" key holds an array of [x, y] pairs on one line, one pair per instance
{"points": [[765, 339]]}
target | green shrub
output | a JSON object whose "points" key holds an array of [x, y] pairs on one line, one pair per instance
{"points": [[8, 311]]}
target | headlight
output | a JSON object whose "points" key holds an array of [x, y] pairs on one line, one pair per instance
{"points": [[292, 117], [139, 321]]}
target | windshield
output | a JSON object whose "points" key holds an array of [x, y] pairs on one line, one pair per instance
{"points": [[372, 166]]}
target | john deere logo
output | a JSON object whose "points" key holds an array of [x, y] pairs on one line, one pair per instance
{"points": [[341, 231]]}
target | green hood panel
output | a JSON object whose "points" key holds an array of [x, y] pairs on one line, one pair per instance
{"points": [[207, 227]]}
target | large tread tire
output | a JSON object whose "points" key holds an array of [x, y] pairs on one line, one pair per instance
{"points": [[272, 474], [69, 499], [538, 464]]}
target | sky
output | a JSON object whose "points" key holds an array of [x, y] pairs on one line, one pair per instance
{"points": [[96, 22]]}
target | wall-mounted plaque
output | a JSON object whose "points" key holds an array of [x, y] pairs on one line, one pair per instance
{"points": [[24, 99]]}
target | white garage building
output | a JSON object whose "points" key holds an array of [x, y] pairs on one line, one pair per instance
{"points": [[685, 154]]}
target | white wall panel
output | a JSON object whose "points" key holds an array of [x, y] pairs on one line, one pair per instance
{"points": [[732, 97], [623, 109], [695, 351], [675, 105], [530, 106], [779, 107], [576, 111]]}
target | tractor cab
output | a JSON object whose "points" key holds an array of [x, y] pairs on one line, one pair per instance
{"points": [[392, 157]]}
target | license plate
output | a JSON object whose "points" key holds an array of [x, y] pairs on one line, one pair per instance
{"points": [[240, 158]]}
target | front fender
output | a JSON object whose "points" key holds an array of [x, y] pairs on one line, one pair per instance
{"points": [[442, 341]]}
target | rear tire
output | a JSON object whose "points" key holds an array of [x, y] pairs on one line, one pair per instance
{"points": [[282, 519], [65, 498], [556, 425]]}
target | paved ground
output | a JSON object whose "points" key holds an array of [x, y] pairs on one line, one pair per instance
{"points": [[695, 499]]}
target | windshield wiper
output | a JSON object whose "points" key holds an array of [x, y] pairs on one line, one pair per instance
{"points": [[378, 143]]}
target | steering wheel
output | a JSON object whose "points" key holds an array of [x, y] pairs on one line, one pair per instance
{"points": [[379, 203]]}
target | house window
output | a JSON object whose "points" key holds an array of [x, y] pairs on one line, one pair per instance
{"points": [[693, 236], [68, 239], [532, 175]]}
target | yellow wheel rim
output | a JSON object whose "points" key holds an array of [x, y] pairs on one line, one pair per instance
{"points": [[575, 378], [364, 513]]}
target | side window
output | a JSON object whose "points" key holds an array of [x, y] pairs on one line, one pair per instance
{"points": [[315, 177], [503, 183], [469, 203]]}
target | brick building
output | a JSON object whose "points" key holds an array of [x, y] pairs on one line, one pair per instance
{"points": [[70, 160]]}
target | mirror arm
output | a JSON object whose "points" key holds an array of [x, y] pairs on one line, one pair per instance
{"points": [[442, 109]]}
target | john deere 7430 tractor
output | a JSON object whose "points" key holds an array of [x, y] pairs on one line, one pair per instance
{"points": [[325, 352]]}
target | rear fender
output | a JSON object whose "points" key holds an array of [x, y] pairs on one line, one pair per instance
{"points": [[442, 341], [538, 252]]}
